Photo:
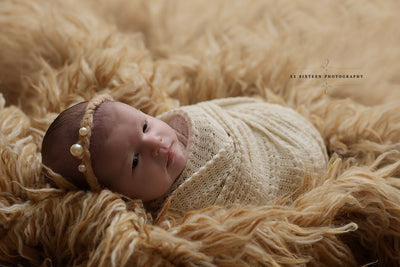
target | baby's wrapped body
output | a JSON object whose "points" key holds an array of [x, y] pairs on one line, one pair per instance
{"points": [[242, 151]]}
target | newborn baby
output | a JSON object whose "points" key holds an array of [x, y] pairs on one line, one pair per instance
{"points": [[219, 152]]}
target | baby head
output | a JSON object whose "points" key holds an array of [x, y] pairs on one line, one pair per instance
{"points": [[104, 143]]}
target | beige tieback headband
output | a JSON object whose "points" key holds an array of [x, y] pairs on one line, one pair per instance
{"points": [[80, 149]]}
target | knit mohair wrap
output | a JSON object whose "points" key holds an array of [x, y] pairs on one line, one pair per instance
{"points": [[242, 151]]}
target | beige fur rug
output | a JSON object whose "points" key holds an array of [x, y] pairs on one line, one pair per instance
{"points": [[159, 54]]}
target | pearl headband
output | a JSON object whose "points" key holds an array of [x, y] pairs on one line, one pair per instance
{"points": [[80, 149]]}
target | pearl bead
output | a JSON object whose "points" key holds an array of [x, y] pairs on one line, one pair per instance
{"points": [[76, 150], [82, 168], [83, 131]]}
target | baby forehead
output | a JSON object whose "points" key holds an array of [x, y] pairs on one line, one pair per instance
{"points": [[111, 114]]}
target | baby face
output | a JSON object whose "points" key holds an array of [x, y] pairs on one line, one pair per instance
{"points": [[140, 155]]}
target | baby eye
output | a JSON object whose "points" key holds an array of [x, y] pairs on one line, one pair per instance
{"points": [[144, 127], [135, 162]]}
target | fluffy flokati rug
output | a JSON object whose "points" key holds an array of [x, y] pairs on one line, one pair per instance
{"points": [[156, 55]]}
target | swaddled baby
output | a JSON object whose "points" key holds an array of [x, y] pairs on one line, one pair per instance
{"points": [[220, 152]]}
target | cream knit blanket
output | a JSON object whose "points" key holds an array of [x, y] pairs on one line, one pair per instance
{"points": [[242, 151]]}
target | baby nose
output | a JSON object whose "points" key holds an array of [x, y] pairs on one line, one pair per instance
{"points": [[154, 144]]}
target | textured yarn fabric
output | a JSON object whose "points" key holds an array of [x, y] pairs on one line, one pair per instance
{"points": [[242, 151]]}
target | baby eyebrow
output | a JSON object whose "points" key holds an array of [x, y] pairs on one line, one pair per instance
{"points": [[123, 166], [122, 158]]}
